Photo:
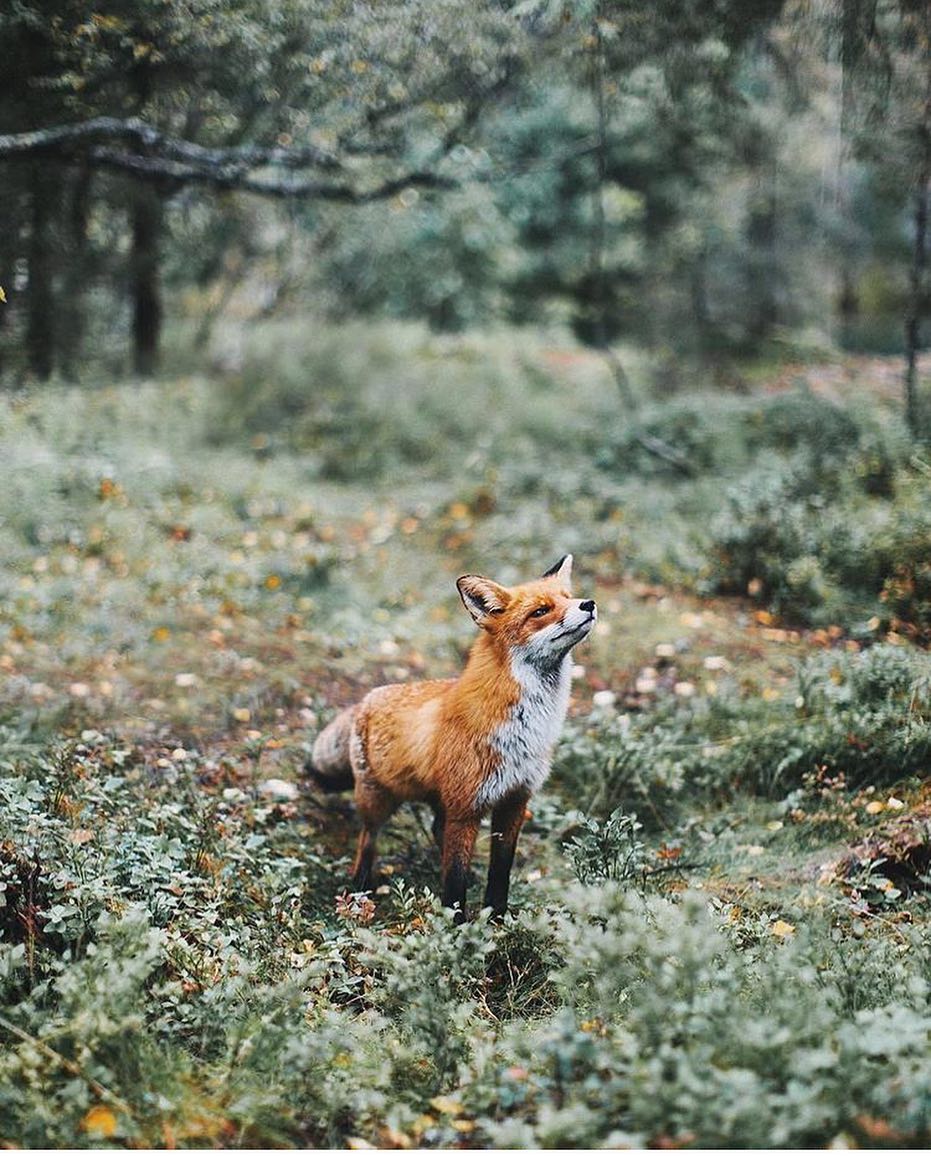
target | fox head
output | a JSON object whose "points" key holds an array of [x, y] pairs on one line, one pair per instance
{"points": [[539, 620]]}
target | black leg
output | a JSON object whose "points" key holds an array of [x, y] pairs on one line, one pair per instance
{"points": [[458, 844], [506, 821], [439, 825]]}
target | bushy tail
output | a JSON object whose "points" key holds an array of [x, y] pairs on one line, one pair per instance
{"points": [[329, 764]]}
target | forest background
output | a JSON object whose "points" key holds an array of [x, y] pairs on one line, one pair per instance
{"points": [[307, 308]]}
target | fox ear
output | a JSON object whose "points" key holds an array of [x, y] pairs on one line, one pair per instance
{"points": [[562, 570], [482, 597]]}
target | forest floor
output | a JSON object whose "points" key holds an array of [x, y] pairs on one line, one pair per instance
{"points": [[181, 612]]}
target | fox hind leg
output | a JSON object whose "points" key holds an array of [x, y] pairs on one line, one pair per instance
{"points": [[439, 825], [375, 806]]}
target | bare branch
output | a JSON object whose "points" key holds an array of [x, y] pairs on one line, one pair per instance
{"points": [[237, 178], [60, 139], [171, 160]]}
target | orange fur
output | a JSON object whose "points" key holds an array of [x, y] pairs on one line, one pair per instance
{"points": [[439, 741]]}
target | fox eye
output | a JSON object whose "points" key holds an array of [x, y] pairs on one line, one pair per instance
{"points": [[539, 612]]}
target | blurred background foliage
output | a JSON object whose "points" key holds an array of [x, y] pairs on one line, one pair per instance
{"points": [[709, 180]]}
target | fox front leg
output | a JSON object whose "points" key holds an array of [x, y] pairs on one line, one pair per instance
{"points": [[458, 844], [506, 821]]}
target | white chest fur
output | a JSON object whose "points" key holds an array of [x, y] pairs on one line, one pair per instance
{"points": [[524, 742]]}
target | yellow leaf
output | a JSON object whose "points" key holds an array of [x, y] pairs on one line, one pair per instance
{"points": [[875, 807], [100, 1119], [242, 714], [783, 929], [2, 295], [112, 23], [447, 1105], [356, 1143]]}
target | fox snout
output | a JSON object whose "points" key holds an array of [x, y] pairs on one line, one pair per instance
{"points": [[580, 615]]}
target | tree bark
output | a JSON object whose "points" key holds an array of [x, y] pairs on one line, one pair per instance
{"points": [[40, 300], [761, 235], [73, 313], [916, 306], [918, 271], [145, 288]]}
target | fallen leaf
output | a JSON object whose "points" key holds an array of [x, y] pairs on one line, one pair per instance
{"points": [[782, 929], [447, 1105], [878, 1129], [100, 1119]]}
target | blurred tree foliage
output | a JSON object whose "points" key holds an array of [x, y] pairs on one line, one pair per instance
{"points": [[702, 178]]}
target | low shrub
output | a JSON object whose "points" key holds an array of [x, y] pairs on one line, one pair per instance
{"points": [[672, 1036], [815, 550], [866, 716]]}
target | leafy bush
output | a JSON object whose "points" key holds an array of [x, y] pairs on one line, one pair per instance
{"points": [[671, 1035], [607, 765], [359, 401], [866, 716], [801, 419], [608, 850], [813, 549]]}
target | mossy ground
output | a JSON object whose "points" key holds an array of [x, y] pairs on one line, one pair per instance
{"points": [[190, 586]]}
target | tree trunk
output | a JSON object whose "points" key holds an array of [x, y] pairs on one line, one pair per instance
{"points": [[73, 314], [40, 302], [764, 266], [144, 273], [916, 306]]}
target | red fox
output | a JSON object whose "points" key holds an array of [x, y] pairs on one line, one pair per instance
{"points": [[468, 745]]}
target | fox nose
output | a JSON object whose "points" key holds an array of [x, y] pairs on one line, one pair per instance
{"points": [[588, 605]]}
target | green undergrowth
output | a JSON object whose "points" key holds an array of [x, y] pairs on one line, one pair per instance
{"points": [[720, 901], [864, 716], [814, 505], [174, 967]]}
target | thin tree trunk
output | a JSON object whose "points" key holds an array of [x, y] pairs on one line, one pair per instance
{"points": [[761, 234], [917, 273], [40, 302], [144, 270], [73, 313]]}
